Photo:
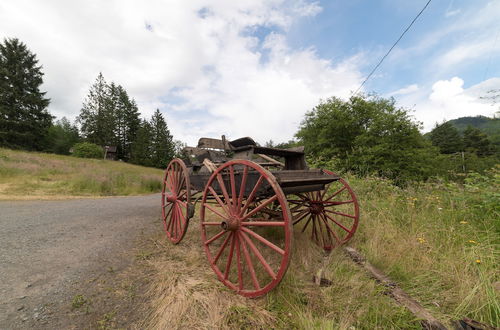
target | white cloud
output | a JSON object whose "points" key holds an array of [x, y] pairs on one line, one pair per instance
{"points": [[451, 13], [469, 50], [405, 90], [195, 60], [449, 100]]}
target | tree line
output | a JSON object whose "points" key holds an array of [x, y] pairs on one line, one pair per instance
{"points": [[108, 117], [370, 135]]}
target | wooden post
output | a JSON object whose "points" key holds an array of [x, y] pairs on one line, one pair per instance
{"points": [[428, 321]]}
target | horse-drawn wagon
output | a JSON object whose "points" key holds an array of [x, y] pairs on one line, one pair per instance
{"points": [[250, 198]]}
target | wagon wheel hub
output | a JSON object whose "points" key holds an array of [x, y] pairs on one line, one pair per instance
{"points": [[171, 198], [316, 207], [232, 224]]}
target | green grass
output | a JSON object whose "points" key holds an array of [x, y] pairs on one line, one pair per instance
{"points": [[39, 175]]}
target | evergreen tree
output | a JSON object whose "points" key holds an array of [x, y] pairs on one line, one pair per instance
{"points": [[447, 138], [24, 119], [141, 148], [127, 122], [477, 142], [97, 114], [162, 144], [110, 117], [62, 136], [154, 146]]}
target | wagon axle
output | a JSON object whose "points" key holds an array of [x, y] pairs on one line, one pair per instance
{"points": [[232, 224]]}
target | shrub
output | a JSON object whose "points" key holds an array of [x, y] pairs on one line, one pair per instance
{"points": [[87, 150]]}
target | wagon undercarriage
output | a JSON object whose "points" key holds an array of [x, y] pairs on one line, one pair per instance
{"points": [[249, 201]]}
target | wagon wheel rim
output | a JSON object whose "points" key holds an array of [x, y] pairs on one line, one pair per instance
{"points": [[249, 254], [175, 200], [329, 216]]}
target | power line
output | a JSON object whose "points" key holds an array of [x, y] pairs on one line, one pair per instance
{"points": [[394, 45]]}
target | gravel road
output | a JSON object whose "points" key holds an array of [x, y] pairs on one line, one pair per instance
{"points": [[48, 247]]}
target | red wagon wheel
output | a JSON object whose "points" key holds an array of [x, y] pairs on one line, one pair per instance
{"points": [[249, 253], [331, 215], [175, 200]]}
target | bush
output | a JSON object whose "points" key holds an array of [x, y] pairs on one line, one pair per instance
{"points": [[87, 150]]}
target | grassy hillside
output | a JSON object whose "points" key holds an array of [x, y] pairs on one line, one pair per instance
{"points": [[25, 175], [438, 241]]}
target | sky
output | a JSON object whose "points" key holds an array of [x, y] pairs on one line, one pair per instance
{"points": [[255, 67]]}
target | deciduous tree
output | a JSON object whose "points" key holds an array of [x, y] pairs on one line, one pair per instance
{"points": [[367, 134]]}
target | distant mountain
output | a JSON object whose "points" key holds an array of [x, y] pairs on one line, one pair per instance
{"points": [[486, 124], [490, 126]]}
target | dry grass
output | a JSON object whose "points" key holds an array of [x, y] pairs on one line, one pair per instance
{"points": [[30, 175], [439, 242], [187, 295]]}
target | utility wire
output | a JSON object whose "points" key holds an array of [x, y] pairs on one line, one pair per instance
{"points": [[394, 45]]}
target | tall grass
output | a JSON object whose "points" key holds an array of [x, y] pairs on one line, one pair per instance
{"points": [[38, 175], [438, 241]]}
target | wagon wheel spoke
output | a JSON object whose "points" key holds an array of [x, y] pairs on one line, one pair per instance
{"points": [[260, 207], [337, 223], [242, 185], [301, 217], [224, 190], [238, 260], [306, 224], [172, 217], [230, 256], [182, 194], [320, 230], [263, 240], [337, 203], [249, 263], [217, 256], [335, 194], [181, 214], [330, 230], [217, 236], [264, 223], [259, 256], [233, 187], [314, 234], [217, 198], [224, 216], [252, 195]]}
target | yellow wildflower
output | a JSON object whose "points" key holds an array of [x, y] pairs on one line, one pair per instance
{"points": [[478, 261]]}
